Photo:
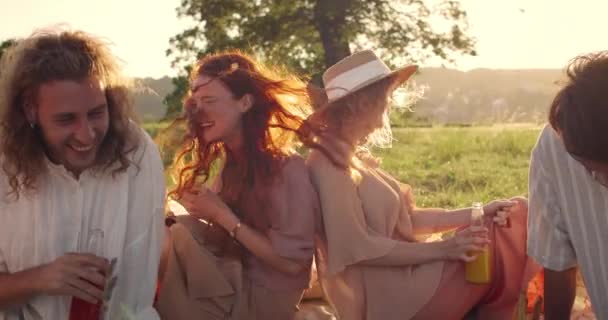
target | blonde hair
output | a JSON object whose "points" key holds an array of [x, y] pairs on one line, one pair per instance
{"points": [[331, 120]]}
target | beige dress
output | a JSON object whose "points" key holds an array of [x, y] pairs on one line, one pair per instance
{"points": [[363, 220], [200, 284], [364, 215]]}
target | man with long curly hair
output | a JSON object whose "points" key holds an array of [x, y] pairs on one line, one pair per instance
{"points": [[74, 164]]}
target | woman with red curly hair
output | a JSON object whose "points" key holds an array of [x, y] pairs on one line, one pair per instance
{"points": [[242, 119]]}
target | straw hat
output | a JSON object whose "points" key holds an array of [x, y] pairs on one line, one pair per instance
{"points": [[358, 71]]}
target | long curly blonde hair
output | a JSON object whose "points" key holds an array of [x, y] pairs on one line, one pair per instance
{"points": [[55, 55]]}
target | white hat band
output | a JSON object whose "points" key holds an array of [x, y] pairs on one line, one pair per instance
{"points": [[344, 83]]}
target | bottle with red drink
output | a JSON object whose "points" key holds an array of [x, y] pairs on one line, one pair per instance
{"points": [[81, 309]]}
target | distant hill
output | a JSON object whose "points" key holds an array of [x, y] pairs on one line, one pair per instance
{"points": [[149, 98], [450, 96], [453, 96]]}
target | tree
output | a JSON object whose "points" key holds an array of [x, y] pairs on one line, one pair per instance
{"points": [[173, 100], [5, 45], [309, 35]]}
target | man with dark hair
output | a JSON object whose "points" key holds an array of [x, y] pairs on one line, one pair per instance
{"points": [[75, 172], [568, 214]]}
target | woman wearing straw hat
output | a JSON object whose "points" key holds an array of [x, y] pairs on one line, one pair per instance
{"points": [[370, 264]]}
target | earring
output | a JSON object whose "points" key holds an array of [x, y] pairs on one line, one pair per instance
{"points": [[32, 125]]}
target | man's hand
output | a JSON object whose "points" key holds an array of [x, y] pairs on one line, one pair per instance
{"points": [[78, 275]]}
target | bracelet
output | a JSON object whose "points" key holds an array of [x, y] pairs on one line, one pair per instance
{"points": [[235, 230]]}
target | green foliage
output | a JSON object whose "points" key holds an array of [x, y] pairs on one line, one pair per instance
{"points": [[5, 45], [289, 31], [173, 100], [277, 29], [308, 35]]}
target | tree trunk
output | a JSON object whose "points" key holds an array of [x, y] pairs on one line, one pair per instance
{"points": [[330, 21]]}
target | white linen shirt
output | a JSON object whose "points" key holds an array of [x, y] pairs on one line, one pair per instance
{"points": [[54, 220]]}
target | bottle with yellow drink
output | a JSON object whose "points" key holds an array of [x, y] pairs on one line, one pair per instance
{"points": [[478, 270]]}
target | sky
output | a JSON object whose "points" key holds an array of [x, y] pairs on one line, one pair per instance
{"points": [[510, 33]]}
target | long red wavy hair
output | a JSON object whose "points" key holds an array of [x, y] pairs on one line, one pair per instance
{"points": [[270, 129]]}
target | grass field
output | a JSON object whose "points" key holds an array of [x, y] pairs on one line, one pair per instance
{"points": [[454, 166]]}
